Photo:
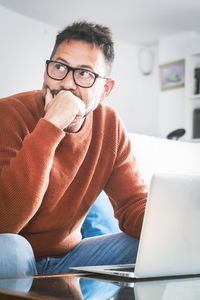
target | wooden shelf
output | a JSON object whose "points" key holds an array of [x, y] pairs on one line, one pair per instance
{"points": [[192, 100], [194, 97]]}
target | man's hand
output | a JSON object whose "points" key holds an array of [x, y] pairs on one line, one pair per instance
{"points": [[63, 109]]}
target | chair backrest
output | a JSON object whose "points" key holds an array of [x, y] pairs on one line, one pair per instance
{"points": [[176, 134]]}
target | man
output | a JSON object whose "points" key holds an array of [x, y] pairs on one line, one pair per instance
{"points": [[59, 149]]}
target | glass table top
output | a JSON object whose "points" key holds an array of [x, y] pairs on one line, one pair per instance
{"points": [[77, 287]]}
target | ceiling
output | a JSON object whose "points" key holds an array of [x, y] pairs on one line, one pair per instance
{"points": [[135, 21]]}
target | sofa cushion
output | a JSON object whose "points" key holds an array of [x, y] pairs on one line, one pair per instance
{"points": [[100, 218], [160, 155]]}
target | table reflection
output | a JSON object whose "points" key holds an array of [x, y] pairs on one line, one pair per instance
{"points": [[176, 289], [101, 287], [62, 287]]}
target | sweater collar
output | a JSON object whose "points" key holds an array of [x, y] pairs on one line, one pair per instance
{"points": [[83, 133]]}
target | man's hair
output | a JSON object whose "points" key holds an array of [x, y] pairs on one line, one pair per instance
{"points": [[95, 34]]}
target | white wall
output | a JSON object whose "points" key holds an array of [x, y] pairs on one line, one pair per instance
{"points": [[27, 43], [171, 107], [135, 95]]}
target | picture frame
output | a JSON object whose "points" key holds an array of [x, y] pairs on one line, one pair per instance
{"points": [[172, 75]]}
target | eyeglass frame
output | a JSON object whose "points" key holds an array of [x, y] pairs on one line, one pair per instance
{"points": [[48, 61]]}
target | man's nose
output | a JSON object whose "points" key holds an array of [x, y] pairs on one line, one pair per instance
{"points": [[68, 82]]}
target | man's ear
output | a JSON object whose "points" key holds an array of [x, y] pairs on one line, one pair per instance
{"points": [[108, 86]]}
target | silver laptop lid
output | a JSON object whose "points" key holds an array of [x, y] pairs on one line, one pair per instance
{"points": [[170, 239]]}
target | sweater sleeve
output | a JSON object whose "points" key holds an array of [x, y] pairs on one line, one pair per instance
{"points": [[25, 163], [125, 188]]}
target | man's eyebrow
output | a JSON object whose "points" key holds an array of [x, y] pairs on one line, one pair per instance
{"points": [[79, 66], [63, 60], [86, 67]]}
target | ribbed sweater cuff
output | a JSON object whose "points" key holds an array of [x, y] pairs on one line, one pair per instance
{"points": [[48, 134]]}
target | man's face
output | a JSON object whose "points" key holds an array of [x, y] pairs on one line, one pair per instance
{"points": [[80, 54]]}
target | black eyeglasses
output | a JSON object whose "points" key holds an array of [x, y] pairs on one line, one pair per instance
{"points": [[82, 77]]}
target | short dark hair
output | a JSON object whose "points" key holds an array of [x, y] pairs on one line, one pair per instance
{"points": [[95, 34]]}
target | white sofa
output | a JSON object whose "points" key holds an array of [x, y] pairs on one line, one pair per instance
{"points": [[154, 155], [160, 155]]}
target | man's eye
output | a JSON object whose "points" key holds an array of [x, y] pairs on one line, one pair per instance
{"points": [[84, 73], [60, 67]]}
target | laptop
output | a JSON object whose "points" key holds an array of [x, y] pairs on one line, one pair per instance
{"points": [[170, 237]]}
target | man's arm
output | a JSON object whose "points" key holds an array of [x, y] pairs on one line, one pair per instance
{"points": [[25, 165], [126, 189], [26, 157]]}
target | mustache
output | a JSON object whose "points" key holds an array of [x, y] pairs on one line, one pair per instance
{"points": [[56, 92]]}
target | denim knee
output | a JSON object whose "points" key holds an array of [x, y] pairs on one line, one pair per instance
{"points": [[16, 256]]}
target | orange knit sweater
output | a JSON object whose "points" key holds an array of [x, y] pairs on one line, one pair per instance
{"points": [[49, 179]]}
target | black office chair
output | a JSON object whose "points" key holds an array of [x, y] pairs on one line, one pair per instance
{"points": [[176, 134]]}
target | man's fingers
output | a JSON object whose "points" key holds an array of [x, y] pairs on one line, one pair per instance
{"points": [[81, 106], [48, 97]]}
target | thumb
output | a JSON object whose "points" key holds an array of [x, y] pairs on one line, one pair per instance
{"points": [[48, 97]]}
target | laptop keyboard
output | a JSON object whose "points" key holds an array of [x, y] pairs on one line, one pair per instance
{"points": [[131, 269]]}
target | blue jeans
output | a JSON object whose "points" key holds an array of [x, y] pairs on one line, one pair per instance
{"points": [[17, 258]]}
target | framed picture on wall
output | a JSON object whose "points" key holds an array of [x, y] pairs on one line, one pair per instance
{"points": [[172, 75]]}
